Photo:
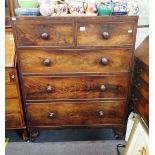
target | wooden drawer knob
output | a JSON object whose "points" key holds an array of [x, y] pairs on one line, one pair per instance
{"points": [[50, 89], [104, 61], [137, 84], [45, 36], [105, 35], [103, 88], [101, 113], [51, 115], [46, 62]]}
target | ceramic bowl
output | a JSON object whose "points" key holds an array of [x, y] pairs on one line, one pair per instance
{"points": [[28, 3], [27, 11]]}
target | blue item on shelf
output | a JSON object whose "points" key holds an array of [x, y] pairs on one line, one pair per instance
{"points": [[27, 11], [119, 13]]}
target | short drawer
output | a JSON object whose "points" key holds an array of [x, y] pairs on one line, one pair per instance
{"points": [[142, 87], [105, 34], [12, 106], [41, 34], [11, 91], [10, 75], [72, 114], [85, 61], [75, 87], [13, 121]]}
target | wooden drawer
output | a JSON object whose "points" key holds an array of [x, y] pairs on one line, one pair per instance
{"points": [[142, 87], [105, 33], [12, 106], [142, 71], [45, 34], [70, 114], [11, 91], [75, 87], [10, 76], [94, 61], [13, 121]]}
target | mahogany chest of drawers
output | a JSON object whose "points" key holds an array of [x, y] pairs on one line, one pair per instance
{"points": [[140, 97], [14, 117], [75, 71]]}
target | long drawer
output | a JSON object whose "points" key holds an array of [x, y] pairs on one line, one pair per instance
{"points": [[72, 114], [75, 87], [12, 106], [11, 91], [13, 121], [85, 61]]}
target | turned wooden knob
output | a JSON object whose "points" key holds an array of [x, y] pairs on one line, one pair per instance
{"points": [[46, 62], [101, 113], [137, 84], [45, 36], [51, 115], [104, 61], [105, 35], [50, 88], [103, 88]]}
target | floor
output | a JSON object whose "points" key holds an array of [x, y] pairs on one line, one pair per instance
{"points": [[66, 142]]}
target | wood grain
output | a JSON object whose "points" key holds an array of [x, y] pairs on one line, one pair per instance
{"points": [[32, 61], [35, 88], [92, 36], [76, 113]]}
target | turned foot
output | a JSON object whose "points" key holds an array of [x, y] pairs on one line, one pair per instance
{"points": [[34, 133], [22, 133], [119, 133]]}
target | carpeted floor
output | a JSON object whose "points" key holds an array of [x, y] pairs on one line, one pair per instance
{"points": [[107, 147], [65, 142]]}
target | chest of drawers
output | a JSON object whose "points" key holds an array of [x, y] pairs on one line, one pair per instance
{"points": [[140, 97], [75, 71], [14, 117]]}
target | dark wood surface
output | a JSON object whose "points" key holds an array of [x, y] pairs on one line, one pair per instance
{"points": [[86, 61], [140, 89], [142, 52], [36, 88], [83, 72], [81, 113]]}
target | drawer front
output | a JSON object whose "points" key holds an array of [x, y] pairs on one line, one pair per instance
{"points": [[105, 34], [142, 71], [12, 106], [40, 34], [105, 61], [11, 91], [13, 121], [61, 114], [10, 76], [46, 88], [142, 87]]}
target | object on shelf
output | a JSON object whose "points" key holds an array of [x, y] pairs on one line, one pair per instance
{"points": [[28, 3], [46, 9], [132, 7], [27, 11], [104, 9], [120, 8]]}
